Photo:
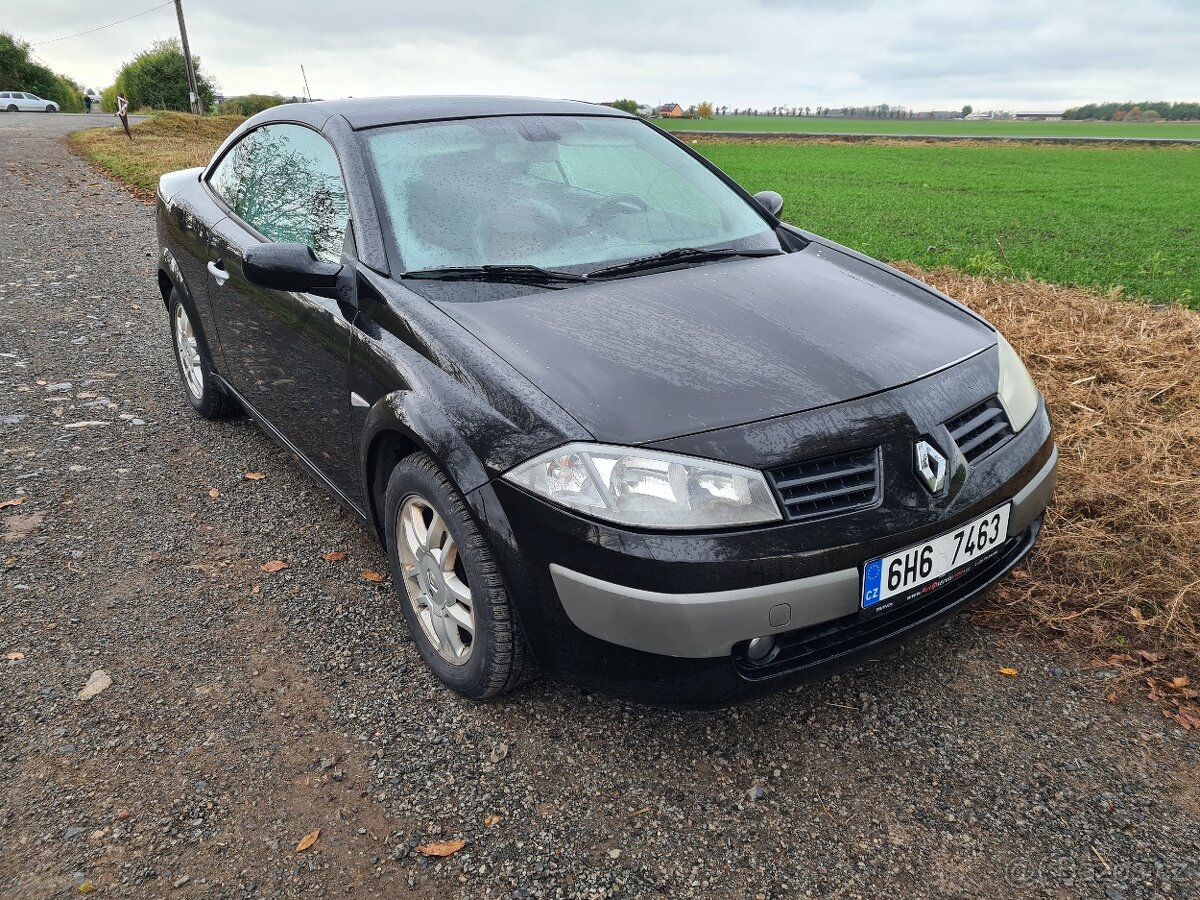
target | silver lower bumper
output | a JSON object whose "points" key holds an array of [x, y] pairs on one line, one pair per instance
{"points": [[708, 624]]}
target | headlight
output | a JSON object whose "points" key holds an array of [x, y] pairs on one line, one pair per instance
{"points": [[1018, 393], [648, 489]]}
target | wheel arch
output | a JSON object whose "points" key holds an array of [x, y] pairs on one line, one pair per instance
{"points": [[400, 424], [170, 277]]}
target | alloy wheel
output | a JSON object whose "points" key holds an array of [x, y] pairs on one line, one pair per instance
{"points": [[188, 352], [435, 580]]}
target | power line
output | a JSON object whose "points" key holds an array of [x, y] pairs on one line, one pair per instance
{"points": [[102, 27]]}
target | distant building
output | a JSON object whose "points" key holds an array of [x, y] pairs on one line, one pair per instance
{"points": [[669, 111], [1039, 116]]}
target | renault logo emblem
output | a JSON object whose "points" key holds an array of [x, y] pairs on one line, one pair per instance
{"points": [[931, 467]]}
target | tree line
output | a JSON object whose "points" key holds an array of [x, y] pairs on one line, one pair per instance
{"points": [[1146, 110], [707, 110], [19, 72]]}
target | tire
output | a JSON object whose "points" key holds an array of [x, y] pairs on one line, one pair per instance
{"points": [[194, 364], [12, 107], [492, 661], [50, 109]]}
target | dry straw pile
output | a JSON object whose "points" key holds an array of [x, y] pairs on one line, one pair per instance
{"points": [[1118, 565]]}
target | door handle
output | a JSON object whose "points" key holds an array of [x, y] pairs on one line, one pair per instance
{"points": [[218, 273]]}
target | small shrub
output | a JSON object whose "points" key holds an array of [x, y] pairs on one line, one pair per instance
{"points": [[251, 104]]}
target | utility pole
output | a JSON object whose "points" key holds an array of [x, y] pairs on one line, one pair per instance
{"points": [[187, 58], [307, 91]]}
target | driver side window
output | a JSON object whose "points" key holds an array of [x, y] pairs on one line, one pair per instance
{"points": [[284, 181]]}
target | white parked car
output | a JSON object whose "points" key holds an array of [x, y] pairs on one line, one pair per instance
{"points": [[14, 101]]}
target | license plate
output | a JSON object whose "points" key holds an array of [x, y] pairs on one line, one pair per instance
{"points": [[922, 568]]}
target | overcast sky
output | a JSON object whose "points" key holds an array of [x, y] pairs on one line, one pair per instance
{"points": [[1015, 54]]}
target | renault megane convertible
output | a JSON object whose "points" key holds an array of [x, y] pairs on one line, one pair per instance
{"points": [[609, 414]]}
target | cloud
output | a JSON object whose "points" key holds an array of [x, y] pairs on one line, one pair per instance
{"points": [[922, 54]]}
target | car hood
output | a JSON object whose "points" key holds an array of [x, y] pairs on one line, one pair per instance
{"points": [[677, 352]]}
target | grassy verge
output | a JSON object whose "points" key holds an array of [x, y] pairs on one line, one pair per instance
{"points": [[981, 127], [163, 143], [1114, 218], [1118, 568]]}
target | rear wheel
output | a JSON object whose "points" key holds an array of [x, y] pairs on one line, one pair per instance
{"points": [[448, 584], [200, 388], [12, 107]]}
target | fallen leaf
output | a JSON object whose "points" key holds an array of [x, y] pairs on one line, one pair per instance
{"points": [[257, 589], [275, 565], [308, 840], [491, 820], [371, 575], [1149, 657], [99, 681], [15, 501], [335, 556], [1121, 659], [86, 887], [15, 654], [1011, 673], [441, 848], [214, 493], [1181, 682], [1188, 716], [254, 476], [1111, 696]]}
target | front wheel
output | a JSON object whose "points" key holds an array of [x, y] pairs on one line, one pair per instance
{"points": [[49, 109], [200, 387], [448, 584]]}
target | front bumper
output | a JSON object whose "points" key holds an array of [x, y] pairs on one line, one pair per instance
{"points": [[663, 617], [711, 623]]}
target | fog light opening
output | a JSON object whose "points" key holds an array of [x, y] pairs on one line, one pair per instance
{"points": [[759, 649]]}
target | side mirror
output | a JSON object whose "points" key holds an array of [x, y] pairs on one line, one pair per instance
{"points": [[770, 201], [291, 267]]}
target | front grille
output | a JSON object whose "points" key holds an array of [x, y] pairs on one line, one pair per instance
{"points": [[839, 639], [828, 486], [981, 429]]}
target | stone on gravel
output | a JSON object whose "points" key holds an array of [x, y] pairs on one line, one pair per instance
{"points": [[99, 681]]}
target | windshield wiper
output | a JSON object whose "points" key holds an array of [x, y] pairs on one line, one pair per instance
{"points": [[516, 274], [682, 255]]}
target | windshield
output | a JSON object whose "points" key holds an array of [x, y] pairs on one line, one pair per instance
{"points": [[551, 191]]}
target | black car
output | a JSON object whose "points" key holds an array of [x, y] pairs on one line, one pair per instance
{"points": [[608, 413]]}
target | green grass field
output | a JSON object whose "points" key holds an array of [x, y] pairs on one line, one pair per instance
{"points": [[982, 128], [1095, 217]]}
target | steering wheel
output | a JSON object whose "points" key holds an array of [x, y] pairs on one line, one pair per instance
{"points": [[610, 206]]}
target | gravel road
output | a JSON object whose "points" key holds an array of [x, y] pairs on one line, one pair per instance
{"points": [[248, 709]]}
